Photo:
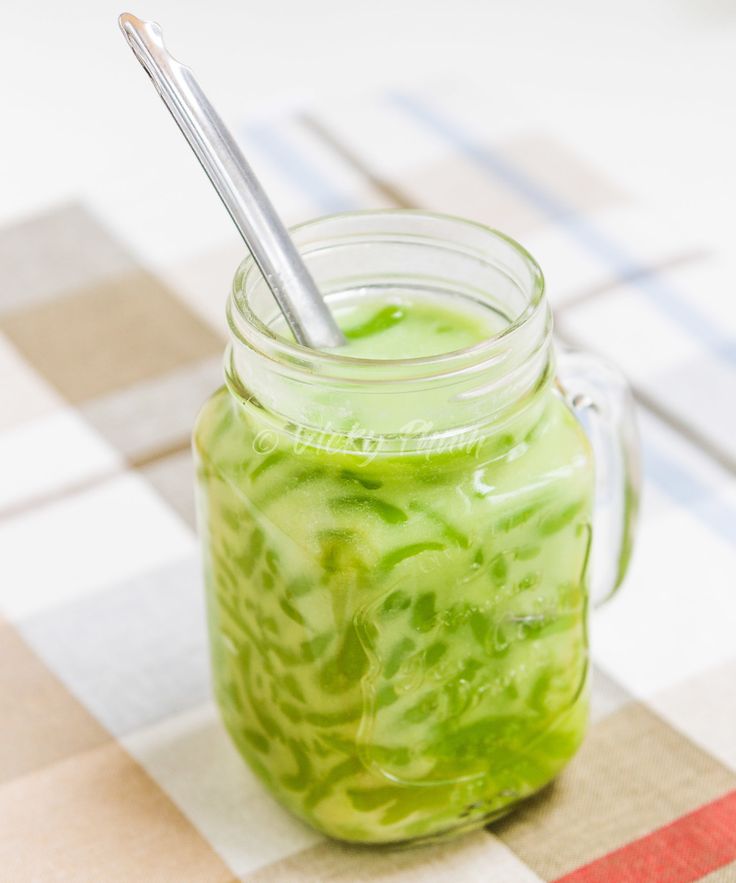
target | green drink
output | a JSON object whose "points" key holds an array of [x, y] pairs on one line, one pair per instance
{"points": [[396, 571]]}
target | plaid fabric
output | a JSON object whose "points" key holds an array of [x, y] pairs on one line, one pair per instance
{"points": [[113, 765]]}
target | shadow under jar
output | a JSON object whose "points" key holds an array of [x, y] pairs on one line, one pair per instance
{"points": [[396, 550]]}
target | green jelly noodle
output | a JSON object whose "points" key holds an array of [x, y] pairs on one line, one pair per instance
{"points": [[398, 624]]}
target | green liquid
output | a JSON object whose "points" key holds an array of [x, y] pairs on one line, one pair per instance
{"points": [[407, 329], [399, 645]]}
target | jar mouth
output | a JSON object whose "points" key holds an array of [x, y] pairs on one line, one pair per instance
{"points": [[458, 236]]}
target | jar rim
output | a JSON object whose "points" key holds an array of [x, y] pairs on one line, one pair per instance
{"points": [[248, 327]]}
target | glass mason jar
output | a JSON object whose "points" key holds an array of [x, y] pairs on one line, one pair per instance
{"points": [[396, 550]]}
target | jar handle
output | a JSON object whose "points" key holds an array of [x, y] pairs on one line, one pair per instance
{"points": [[601, 399]]}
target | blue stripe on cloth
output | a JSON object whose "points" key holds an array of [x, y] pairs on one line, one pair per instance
{"points": [[663, 472], [662, 295], [689, 492], [302, 173]]}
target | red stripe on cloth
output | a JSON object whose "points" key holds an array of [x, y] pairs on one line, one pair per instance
{"points": [[683, 851]]}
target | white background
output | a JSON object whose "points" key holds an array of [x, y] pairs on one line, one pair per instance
{"points": [[645, 88]]}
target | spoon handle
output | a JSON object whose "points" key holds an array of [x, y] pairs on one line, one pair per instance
{"points": [[250, 208]]}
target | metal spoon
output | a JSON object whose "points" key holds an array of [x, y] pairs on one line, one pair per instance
{"points": [[255, 217]]}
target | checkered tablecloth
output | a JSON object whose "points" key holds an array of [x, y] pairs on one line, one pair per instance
{"points": [[113, 764]]}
